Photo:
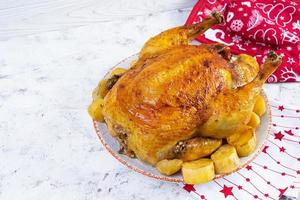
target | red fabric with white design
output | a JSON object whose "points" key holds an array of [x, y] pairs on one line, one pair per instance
{"points": [[255, 27], [273, 173]]}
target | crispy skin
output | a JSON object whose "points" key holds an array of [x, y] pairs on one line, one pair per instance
{"points": [[183, 92], [165, 99]]}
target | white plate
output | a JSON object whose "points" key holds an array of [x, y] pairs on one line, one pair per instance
{"points": [[112, 145]]}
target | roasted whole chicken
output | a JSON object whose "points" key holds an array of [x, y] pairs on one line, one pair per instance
{"points": [[179, 100]]}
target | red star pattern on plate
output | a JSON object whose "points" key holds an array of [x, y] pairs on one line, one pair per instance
{"points": [[289, 132], [227, 191], [240, 187], [278, 136], [282, 149], [189, 188], [281, 108], [249, 167], [298, 171]]}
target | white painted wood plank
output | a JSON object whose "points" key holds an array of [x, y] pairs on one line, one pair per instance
{"points": [[33, 16]]}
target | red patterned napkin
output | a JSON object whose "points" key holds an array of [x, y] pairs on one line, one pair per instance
{"points": [[274, 173], [256, 27]]}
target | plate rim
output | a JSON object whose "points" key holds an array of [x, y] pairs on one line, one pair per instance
{"points": [[180, 180]]}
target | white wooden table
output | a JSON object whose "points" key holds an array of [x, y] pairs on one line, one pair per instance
{"points": [[52, 53]]}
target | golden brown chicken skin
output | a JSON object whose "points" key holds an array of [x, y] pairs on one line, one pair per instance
{"points": [[180, 98]]}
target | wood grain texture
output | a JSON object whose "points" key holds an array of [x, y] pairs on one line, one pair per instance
{"points": [[22, 17]]}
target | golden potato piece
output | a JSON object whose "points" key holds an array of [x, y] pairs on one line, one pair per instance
{"points": [[95, 109], [225, 159], [100, 91], [254, 120], [198, 171], [198, 147], [118, 71], [244, 142], [114, 77], [259, 106], [102, 88], [240, 138], [248, 148], [169, 167], [106, 84]]}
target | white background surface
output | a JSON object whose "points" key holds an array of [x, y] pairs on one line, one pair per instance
{"points": [[52, 54]]}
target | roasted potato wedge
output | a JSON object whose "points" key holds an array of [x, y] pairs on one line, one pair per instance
{"points": [[240, 138], [225, 159], [106, 84], [102, 88], [169, 167], [254, 120], [198, 171], [118, 71], [95, 110], [260, 106], [247, 148], [244, 142]]}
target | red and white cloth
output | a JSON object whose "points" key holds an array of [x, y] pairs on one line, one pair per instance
{"points": [[256, 27], [273, 173]]}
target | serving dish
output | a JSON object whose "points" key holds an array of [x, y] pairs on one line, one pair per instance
{"points": [[112, 145]]}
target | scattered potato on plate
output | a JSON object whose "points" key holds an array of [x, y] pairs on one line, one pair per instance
{"points": [[225, 159], [254, 120], [118, 71], [169, 167], [198, 171], [260, 106], [106, 84], [241, 137], [244, 142], [248, 148], [102, 88], [95, 109]]}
